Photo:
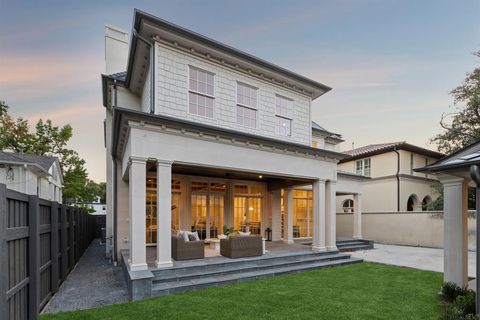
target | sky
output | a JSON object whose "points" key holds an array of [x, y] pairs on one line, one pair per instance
{"points": [[391, 64]]}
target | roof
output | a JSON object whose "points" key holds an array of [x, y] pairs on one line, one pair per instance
{"points": [[45, 162], [464, 158], [374, 149], [332, 135], [142, 30]]}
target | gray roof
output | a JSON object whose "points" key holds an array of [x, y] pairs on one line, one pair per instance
{"points": [[45, 162], [317, 127], [464, 158]]}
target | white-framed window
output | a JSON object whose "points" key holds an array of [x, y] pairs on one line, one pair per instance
{"points": [[246, 117], [362, 167], [348, 206], [284, 111], [201, 92], [284, 126], [246, 95]]}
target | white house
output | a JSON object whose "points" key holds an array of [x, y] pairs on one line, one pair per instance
{"points": [[200, 135], [32, 174], [390, 168]]}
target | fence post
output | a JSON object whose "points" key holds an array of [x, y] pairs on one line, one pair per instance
{"points": [[34, 256], [3, 250], [71, 252], [63, 242], [54, 245]]}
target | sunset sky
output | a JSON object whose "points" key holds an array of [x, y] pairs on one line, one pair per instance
{"points": [[391, 63]]}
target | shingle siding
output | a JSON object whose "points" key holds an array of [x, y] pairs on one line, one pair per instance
{"points": [[146, 98], [172, 97]]}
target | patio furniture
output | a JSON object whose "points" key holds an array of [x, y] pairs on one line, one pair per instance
{"points": [[241, 246], [182, 250]]}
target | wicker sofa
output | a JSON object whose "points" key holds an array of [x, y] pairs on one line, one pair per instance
{"points": [[182, 250], [241, 246]]}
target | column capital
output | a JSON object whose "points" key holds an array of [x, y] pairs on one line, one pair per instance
{"points": [[164, 163], [134, 159], [332, 181], [320, 180]]}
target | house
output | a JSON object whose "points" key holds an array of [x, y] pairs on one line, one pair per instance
{"points": [[98, 207], [458, 172], [32, 174], [390, 167], [200, 135]]}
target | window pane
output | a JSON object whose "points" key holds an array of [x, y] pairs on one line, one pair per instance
{"points": [[210, 89], [193, 74], [210, 79], [209, 113], [202, 76], [202, 87]]}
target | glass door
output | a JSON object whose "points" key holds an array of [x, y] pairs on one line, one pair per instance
{"points": [[151, 211], [302, 214], [216, 208], [199, 214], [208, 203], [240, 214], [248, 205]]}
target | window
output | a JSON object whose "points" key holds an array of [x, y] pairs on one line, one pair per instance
{"points": [[314, 144], [246, 95], [347, 206], [246, 117], [284, 110], [201, 93], [363, 167]]}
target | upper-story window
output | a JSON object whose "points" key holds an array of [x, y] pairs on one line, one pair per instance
{"points": [[201, 92], [284, 111], [246, 105], [363, 167]]}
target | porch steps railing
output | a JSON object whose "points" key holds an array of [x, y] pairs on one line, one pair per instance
{"points": [[354, 245], [186, 278]]}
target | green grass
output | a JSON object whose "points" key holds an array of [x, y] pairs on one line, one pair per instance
{"points": [[359, 291]]}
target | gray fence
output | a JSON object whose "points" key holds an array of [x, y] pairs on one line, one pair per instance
{"points": [[40, 243]]}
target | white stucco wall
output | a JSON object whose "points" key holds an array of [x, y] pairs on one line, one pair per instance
{"points": [[172, 96]]}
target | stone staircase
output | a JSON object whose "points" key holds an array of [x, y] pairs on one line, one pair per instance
{"points": [[211, 273], [354, 245]]}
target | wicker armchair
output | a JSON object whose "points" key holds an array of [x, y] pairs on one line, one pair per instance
{"points": [[241, 246], [182, 250]]}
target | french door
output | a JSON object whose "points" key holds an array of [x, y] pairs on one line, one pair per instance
{"points": [[207, 211], [247, 214]]}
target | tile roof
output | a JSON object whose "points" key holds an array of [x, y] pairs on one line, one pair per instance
{"points": [[373, 149], [45, 162]]}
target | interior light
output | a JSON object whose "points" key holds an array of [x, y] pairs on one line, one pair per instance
{"points": [[260, 177]]}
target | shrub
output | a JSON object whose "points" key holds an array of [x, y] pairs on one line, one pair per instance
{"points": [[466, 303], [450, 291]]}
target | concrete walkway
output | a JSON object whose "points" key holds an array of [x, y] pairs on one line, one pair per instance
{"points": [[93, 283], [415, 257]]}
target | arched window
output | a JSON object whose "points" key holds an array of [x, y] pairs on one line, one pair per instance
{"points": [[412, 203], [347, 206], [425, 202]]}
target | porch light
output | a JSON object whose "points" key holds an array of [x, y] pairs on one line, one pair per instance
{"points": [[260, 177]]}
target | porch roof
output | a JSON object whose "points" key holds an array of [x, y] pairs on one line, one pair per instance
{"points": [[122, 117]]}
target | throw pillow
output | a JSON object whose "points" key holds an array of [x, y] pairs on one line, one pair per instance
{"points": [[243, 234]]}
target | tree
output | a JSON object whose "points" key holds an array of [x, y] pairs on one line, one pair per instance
{"points": [[48, 139], [462, 127]]}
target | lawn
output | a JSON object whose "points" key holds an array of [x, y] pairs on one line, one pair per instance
{"points": [[359, 291]]}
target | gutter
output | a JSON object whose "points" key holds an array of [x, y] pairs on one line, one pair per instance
{"points": [[398, 178], [475, 174]]}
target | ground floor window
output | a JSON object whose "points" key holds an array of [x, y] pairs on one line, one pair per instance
{"points": [[302, 213], [347, 206], [248, 208], [207, 208]]}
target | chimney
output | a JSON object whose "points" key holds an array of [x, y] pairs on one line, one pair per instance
{"points": [[116, 49]]}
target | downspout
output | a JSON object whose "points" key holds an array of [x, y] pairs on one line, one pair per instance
{"points": [[475, 174], [114, 206], [398, 178]]}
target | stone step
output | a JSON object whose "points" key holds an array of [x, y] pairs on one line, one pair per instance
{"points": [[210, 264], [160, 289], [259, 265], [356, 248]]}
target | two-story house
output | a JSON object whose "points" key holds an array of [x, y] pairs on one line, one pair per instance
{"points": [[200, 135], [32, 174], [390, 167]]}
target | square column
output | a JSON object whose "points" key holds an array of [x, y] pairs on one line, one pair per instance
{"points": [[331, 215], [288, 216], [137, 214], [357, 216], [455, 230], [276, 215], [164, 214], [318, 189]]}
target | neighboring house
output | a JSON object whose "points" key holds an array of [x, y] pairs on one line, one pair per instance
{"points": [[32, 174], [200, 135], [97, 205], [393, 184]]}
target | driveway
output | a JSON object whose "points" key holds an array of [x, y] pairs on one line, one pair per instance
{"points": [[93, 283], [415, 257]]}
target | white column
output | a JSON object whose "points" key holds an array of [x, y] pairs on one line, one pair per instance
{"points": [[164, 214], [318, 189], [137, 214], [288, 215], [276, 215], [455, 230], [331, 215], [357, 216]]}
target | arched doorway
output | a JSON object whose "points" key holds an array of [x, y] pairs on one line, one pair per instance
{"points": [[412, 203], [425, 202]]}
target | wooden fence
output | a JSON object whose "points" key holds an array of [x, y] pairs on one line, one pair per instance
{"points": [[40, 243]]}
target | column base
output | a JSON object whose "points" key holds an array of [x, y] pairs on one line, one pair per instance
{"points": [[358, 237], [137, 266], [332, 248], [319, 249], [163, 264], [288, 241]]}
